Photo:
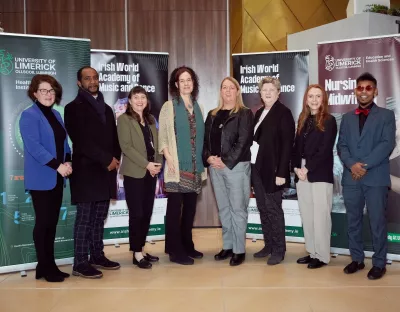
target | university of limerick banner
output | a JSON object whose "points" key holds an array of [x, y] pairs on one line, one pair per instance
{"points": [[119, 72], [339, 65], [291, 67], [22, 57]]}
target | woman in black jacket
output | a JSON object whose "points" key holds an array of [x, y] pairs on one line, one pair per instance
{"points": [[227, 141], [270, 171], [312, 162]]}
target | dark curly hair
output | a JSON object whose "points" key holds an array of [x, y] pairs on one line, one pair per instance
{"points": [[174, 78], [38, 79], [146, 112]]}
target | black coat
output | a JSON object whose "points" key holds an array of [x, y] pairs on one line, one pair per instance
{"points": [[318, 151], [94, 144], [236, 138], [275, 137]]}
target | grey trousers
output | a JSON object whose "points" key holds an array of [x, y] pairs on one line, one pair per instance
{"points": [[315, 203], [232, 192]]}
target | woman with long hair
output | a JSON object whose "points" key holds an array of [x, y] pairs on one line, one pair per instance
{"points": [[226, 151], [137, 135], [312, 162], [181, 136]]}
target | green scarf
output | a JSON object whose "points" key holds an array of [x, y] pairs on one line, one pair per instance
{"points": [[182, 130]]}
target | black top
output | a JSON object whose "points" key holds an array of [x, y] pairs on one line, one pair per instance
{"points": [[363, 118], [59, 136], [309, 125], [216, 131], [148, 140], [317, 150]]}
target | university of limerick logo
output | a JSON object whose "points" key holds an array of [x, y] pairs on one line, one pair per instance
{"points": [[6, 64], [329, 62]]}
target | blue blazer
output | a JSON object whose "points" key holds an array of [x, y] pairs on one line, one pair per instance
{"points": [[373, 147], [39, 149]]}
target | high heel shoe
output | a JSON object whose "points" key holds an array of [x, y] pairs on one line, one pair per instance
{"points": [[49, 277]]}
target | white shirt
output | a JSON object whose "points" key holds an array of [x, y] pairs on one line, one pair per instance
{"points": [[263, 114], [255, 146]]}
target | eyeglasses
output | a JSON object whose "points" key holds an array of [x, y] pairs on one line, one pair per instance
{"points": [[367, 88], [45, 91]]}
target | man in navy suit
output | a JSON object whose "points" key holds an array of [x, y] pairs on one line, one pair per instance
{"points": [[366, 140]]}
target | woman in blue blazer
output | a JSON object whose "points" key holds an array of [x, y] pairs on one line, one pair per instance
{"points": [[46, 164]]}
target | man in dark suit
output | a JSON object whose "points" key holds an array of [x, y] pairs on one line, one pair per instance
{"points": [[91, 125], [366, 140]]}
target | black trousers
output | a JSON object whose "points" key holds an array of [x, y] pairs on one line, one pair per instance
{"points": [[271, 214], [139, 195], [181, 210], [89, 230], [47, 206]]}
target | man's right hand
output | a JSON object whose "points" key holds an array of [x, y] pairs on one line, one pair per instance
{"points": [[114, 164], [358, 170]]}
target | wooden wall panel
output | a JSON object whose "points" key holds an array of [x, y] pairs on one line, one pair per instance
{"points": [[195, 34], [12, 16], [102, 21]]}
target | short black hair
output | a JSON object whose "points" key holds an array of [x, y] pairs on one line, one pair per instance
{"points": [[79, 73], [367, 77]]}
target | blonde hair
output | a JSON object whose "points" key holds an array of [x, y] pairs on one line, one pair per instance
{"points": [[239, 100], [269, 79]]}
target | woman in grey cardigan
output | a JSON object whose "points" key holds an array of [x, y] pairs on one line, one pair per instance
{"points": [[137, 135]]}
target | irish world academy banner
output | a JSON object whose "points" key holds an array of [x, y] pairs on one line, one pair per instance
{"points": [[291, 67], [339, 65], [22, 57], [119, 72]]}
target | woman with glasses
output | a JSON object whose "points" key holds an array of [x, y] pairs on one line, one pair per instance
{"points": [[47, 159]]}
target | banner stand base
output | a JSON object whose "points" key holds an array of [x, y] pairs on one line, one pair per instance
{"points": [[116, 245], [23, 274], [254, 240], [151, 242], [335, 255]]}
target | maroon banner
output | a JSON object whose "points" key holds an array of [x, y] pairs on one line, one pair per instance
{"points": [[339, 65]]}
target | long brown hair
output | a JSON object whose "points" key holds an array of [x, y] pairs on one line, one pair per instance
{"points": [[146, 112], [322, 114]]}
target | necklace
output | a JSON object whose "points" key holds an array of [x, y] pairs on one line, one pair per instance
{"points": [[190, 106]]}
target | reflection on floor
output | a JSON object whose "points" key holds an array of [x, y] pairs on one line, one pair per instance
{"points": [[208, 285]]}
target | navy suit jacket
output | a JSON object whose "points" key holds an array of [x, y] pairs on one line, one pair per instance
{"points": [[373, 147], [39, 149]]}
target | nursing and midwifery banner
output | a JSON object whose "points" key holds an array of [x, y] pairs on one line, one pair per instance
{"points": [[22, 57], [339, 65], [291, 67], [119, 72]]}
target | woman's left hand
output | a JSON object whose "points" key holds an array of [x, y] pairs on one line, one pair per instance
{"points": [[280, 181], [218, 164]]}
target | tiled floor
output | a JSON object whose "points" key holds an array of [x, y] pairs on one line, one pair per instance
{"points": [[208, 285]]}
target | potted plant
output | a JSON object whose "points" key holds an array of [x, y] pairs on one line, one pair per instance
{"points": [[382, 9]]}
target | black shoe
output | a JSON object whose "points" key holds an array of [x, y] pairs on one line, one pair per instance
{"points": [[143, 263], [151, 258], [195, 254], [265, 252], [49, 277], [104, 263], [376, 273], [353, 267], [223, 254], [315, 264], [57, 271], [275, 259], [237, 259], [86, 270], [304, 260], [183, 260]]}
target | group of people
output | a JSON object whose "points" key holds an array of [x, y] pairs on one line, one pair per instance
{"points": [[243, 153]]}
